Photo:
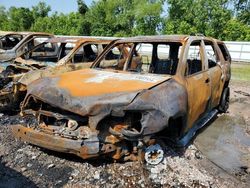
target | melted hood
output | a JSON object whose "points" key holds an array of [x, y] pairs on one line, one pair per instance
{"points": [[90, 91]]}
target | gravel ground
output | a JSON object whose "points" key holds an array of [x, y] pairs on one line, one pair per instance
{"points": [[23, 165]]}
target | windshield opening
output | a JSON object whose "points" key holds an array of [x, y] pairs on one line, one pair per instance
{"points": [[156, 58]]}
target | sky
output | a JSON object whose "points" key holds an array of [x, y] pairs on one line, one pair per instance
{"points": [[64, 6]]}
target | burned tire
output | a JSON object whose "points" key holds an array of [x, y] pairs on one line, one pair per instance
{"points": [[224, 101]]}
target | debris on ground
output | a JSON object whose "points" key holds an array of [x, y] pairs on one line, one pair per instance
{"points": [[23, 165]]}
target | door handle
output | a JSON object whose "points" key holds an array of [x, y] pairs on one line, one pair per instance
{"points": [[207, 80]]}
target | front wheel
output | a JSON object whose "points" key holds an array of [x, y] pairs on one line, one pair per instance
{"points": [[224, 101]]}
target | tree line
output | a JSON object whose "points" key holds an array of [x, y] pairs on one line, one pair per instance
{"points": [[222, 19]]}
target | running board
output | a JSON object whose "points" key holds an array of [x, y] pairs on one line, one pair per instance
{"points": [[201, 123]]}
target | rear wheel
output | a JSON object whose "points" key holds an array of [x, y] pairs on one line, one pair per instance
{"points": [[224, 102]]}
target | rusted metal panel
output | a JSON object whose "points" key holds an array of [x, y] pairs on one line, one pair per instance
{"points": [[46, 140]]}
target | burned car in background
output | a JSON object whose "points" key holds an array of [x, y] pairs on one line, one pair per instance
{"points": [[138, 90], [52, 57], [14, 44], [45, 54]]}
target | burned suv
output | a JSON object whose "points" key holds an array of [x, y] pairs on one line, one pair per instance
{"points": [[138, 90]]}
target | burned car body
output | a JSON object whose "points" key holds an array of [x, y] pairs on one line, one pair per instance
{"points": [[46, 54], [54, 56], [139, 89], [14, 44]]}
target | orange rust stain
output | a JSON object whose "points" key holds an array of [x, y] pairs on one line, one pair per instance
{"points": [[77, 84], [119, 127], [112, 139]]}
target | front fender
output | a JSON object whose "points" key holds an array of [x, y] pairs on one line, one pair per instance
{"points": [[159, 104]]}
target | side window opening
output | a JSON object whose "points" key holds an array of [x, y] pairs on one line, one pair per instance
{"points": [[194, 60], [35, 41], [224, 52], [116, 57], [86, 53], [45, 47], [165, 60], [90, 52], [45, 50], [31, 43], [68, 47], [50, 47], [142, 57], [64, 49], [163, 51], [211, 54]]}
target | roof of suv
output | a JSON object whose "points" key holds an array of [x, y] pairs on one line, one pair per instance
{"points": [[165, 38]]}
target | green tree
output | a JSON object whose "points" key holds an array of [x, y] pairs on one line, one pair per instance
{"points": [[111, 18], [124, 17], [82, 7], [237, 31], [62, 24], [20, 19], [3, 19], [182, 17], [223, 19], [41, 10], [242, 10], [198, 16], [147, 16]]}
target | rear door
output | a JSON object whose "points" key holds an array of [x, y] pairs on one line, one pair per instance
{"points": [[215, 73], [197, 81]]}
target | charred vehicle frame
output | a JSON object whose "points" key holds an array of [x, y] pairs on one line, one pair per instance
{"points": [[14, 44], [138, 90]]}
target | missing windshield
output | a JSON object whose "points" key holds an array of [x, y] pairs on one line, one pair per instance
{"points": [[156, 58]]}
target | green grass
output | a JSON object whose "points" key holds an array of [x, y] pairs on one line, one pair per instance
{"points": [[240, 71]]}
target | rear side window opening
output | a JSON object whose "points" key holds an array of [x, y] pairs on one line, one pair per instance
{"points": [[211, 54], [225, 52]]}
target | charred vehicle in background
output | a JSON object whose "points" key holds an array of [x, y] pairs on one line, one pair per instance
{"points": [[138, 90], [52, 57], [14, 44]]}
